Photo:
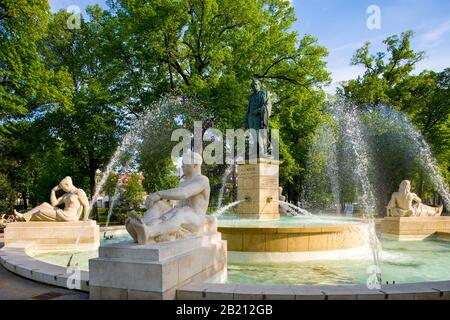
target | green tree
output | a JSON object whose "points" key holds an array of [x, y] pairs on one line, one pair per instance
{"points": [[26, 83], [383, 72], [90, 131], [210, 49], [110, 186], [134, 192], [7, 195], [34, 162], [28, 89], [389, 80]]}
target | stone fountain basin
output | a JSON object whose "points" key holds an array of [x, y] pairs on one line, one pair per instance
{"points": [[300, 243], [24, 240], [17, 259]]}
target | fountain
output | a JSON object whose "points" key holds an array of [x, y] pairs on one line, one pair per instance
{"points": [[257, 232], [352, 132], [157, 260], [322, 154], [223, 185]]}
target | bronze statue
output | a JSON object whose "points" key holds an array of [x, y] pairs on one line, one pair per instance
{"points": [[257, 117], [259, 108]]}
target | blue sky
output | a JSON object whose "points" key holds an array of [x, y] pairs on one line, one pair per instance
{"points": [[340, 25]]}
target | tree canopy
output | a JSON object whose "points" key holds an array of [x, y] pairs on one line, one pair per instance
{"points": [[69, 96], [390, 80]]}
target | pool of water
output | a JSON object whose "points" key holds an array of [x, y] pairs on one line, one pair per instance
{"points": [[402, 262], [298, 221]]}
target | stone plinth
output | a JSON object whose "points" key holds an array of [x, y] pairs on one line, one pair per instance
{"points": [[61, 234], [413, 228], [128, 271], [258, 183]]}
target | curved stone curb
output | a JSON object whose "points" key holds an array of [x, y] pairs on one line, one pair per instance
{"points": [[14, 258], [413, 291]]}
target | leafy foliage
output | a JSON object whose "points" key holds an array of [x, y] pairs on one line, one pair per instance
{"points": [[389, 80], [134, 192]]}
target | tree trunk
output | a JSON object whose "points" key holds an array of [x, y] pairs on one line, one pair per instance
{"points": [[421, 185], [234, 179], [92, 187], [24, 199]]}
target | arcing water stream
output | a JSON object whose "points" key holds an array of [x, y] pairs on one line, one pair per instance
{"points": [[351, 130], [223, 185], [299, 210], [421, 148], [219, 212]]}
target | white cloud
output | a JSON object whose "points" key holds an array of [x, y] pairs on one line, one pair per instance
{"points": [[436, 34], [342, 74], [435, 60], [347, 46]]}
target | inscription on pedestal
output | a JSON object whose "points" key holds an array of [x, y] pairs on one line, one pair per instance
{"points": [[259, 183]]}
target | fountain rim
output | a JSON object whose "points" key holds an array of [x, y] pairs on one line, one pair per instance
{"points": [[18, 261], [290, 229]]}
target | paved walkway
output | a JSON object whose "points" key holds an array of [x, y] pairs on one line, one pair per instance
{"points": [[13, 287]]}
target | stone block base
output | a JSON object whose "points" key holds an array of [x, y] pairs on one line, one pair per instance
{"points": [[258, 183], [413, 228], [61, 234], [128, 271]]}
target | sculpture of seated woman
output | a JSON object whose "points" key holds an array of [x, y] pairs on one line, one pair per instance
{"points": [[404, 203], [165, 222], [75, 203]]}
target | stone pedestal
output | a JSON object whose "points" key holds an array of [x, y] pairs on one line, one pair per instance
{"points": [[259, 184], [61, 234], [128, 271], [413, 228]]}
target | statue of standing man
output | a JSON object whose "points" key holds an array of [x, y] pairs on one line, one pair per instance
{"points": [[258, 113]]}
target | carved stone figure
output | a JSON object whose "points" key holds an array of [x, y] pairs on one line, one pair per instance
{"points": [[74, 200], [404, 203], [165, 222]]}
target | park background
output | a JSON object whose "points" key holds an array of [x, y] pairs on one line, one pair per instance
{"points": [[68, 95]]}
